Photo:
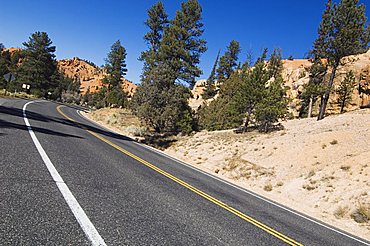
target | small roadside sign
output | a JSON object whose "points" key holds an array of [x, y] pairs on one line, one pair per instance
{"points": [[9, 77]]}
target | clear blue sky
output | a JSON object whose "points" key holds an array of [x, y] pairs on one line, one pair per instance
{"points": [[87, 29]]}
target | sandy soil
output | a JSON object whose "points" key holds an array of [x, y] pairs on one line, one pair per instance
{"points": [[321, 169], [118, 120]]}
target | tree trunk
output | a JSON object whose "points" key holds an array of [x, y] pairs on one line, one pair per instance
{"points": [[310, 105], [325, 98], [343, 103]]}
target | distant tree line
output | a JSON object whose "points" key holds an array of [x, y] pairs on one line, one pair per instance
{"points": [[36, 66]]}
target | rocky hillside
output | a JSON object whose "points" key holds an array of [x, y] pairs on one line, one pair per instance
{"points": [[295, 75], [91, 76]]}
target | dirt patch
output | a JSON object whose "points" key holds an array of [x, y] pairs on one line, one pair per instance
{"points": [[324, 162], [119, 120]]}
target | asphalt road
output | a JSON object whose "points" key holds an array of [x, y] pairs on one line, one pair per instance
{"points": [[128, 193]]}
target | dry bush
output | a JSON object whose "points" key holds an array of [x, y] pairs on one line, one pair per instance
{"points": [[311, 173], [361, 214], [268, 187], [345, 168], [309, 187], [340, 212], [136, 131], [334, 142]]}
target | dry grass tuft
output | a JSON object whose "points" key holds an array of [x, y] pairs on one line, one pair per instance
{"points": [[268, 187], [345, 168], [361, 214], [340, 212], [334, 142], [311, 173]]}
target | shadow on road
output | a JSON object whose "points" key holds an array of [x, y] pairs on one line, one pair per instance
{"points": [[6, 124], [31, 115]]}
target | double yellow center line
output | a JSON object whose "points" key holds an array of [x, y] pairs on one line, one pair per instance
{"points": [[210, 198]]}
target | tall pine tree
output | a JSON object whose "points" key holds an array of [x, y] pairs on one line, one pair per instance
{"points": [[273, 104], [116, 69], [210, 90], [39, 67], [182, 44], [345, 90], [342, 32], [161, 101], [157, 21], [115, 65], [315, 87], [228, 62]]}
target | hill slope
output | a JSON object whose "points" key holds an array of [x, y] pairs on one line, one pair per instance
{"points": [[91, 76], [320, 168], [295, 75]]}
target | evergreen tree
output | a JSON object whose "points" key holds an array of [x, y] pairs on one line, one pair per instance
{"points": [[226, 111], [115, 65], [157, 21], [342, 32], [4, 65], [345, 90], [210, 90], [253, 88], [39, 68], [273, 105], [249, 95], [315, 87], [161, 103], [116, 69], [238, 98], [173, 57], [182, 45], [228, 62]]}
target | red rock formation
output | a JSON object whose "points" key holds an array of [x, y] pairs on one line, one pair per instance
{"points": [[91, 77]]}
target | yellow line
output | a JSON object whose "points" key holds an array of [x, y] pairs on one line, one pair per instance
{"points": [[232, 210]]}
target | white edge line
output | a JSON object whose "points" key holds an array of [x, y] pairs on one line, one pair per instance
{"points": [[85, 223], [231, 184]]}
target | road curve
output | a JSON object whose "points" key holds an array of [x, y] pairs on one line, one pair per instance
{"points": [[129, 193]]}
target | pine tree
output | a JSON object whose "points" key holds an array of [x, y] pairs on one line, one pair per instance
{"points": [[315, 87], [116, 69], [157, 21], [273, 105], [210, 90], [228, 62], [238, 97], [5, 61], [345, 90], [161, 104], [173, 57], [342, 32], [182, 45], [39, 67], [115, 65]]}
